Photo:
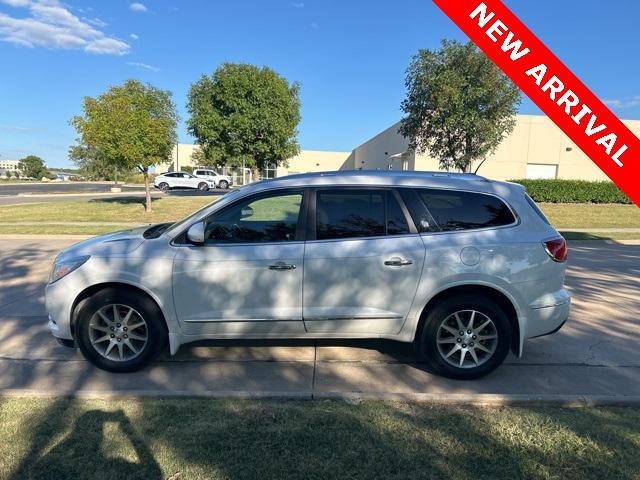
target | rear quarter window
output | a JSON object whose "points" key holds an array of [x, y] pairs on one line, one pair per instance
{"points": [[536, 209], [456, 210]]}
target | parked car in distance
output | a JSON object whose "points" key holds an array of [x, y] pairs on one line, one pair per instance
{"points": [[221, 181], [166, 181], [464, 267]]}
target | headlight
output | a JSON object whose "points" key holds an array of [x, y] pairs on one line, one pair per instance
{"points": [[62, 268]]}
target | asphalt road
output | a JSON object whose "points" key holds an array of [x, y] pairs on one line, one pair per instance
{"points": [[18, 194], [595, 357], [63, 187]]}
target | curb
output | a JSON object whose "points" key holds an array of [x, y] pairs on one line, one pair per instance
{"points": [[86, 194], [30, 236], [591, 243], [486, 400]]}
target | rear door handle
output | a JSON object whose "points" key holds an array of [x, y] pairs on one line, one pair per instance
{"points": [[397, 262], [282, 266]]}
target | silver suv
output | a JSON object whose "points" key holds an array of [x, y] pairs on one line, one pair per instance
{"points": [[465, 267]]}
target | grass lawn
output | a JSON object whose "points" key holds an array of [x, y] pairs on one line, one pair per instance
{"points": [[569, 235], [252, 439], [59, 229], [587, 215], [122, 209]]}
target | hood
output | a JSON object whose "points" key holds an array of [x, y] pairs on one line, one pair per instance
{"points": [[116, 243]]}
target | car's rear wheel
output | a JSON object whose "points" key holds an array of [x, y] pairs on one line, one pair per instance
{"points": [[119, 330], [164, 186], [223, 184], [465, 337], [203, 186]]}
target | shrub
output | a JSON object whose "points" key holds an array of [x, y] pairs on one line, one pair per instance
{"points": [[573, 191]]}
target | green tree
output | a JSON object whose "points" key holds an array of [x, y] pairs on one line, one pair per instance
{"points": [[459, 105], [243, 113], [33, 166], [90, 165], [130, 126]]}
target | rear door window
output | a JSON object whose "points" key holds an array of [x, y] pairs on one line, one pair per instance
{"points": [[345, 213], [457, 210]]}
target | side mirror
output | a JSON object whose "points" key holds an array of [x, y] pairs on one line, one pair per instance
{"points": [[195, 234]]}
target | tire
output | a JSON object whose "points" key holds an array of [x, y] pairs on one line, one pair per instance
{"points": [[94, 335], [202, 186], [223, 184], [437, 342], [164, 186]]}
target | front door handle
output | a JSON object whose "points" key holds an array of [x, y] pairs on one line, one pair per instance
{"points": [[397, 262], [282, 266]]}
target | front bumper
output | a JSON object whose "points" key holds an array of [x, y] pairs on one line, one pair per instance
{"points": [[58, 303]]}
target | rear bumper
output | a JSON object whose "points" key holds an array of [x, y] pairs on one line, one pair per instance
{"points": [[547, 317]]}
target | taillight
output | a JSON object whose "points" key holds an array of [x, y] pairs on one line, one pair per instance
{"points": [[557, 249]]}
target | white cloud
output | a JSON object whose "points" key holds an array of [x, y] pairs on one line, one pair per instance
{"points": [[15, 129], [16, 3], [133, 36], [138, 7], [107, 46], [96, 22], [297, 4], [52, 25], [626, 103], [144, 66]]}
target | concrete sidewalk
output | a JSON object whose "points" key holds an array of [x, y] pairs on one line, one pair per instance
{"points": [[594, 359]]}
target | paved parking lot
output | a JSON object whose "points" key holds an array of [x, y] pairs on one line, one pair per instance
{"points": [[594, 358], [24, 193]]}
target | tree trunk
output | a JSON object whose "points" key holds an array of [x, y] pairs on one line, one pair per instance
{"points": [[147, 190]]}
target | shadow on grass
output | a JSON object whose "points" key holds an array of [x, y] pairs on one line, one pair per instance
{"points": [[241, 439], [140, 200], [569, 235]]}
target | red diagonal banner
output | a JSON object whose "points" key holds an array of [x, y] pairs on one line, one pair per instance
{"points": [[552, 87]]}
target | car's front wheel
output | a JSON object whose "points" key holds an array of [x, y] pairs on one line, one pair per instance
{"points": [[465, 337], [119, 330], [223, 184], [164, 186]]}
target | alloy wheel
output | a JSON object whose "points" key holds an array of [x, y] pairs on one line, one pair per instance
{"points": [[118, 332], [467, 339]]}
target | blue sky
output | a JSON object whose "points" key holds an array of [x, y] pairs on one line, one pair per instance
{"points": [[349, 57]]}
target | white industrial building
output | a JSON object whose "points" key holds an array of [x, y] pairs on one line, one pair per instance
{"points": [[536, 148]]}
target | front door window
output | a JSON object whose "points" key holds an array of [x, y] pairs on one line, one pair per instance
{"points": [[272, 218]]}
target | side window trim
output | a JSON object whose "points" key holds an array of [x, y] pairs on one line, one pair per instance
{"points": [[416, 198], [409, 219]]}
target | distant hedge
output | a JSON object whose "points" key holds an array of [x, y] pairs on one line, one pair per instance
{"points": [[573, 191]]}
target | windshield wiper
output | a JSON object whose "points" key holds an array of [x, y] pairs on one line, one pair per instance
{"points": [[156, 230]]}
